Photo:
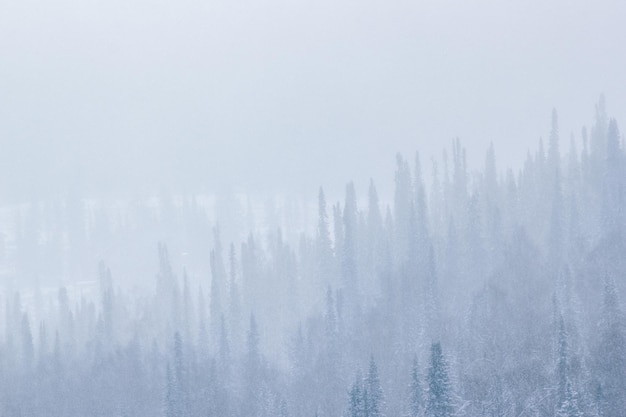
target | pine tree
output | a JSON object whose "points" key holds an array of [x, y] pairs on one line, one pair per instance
{"points": [[252, 370], [330, 320], [181, 376], [349, 261], [224, 352], [403, 197], [234, 303], [203, 333], [324, 247], [613, 182], [218, 284], [375, 397], [439, 401], [569, 406], [416, 401], [357, 398], [611, 354], [553, 148], [374, 244], [173, 406], [562, 365], [28, 349], [176, 380], [185, 326], [43, 347], [491, 175], [106, 291], [215, 307]]}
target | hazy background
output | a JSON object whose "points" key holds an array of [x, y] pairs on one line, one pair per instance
{"points": [[120, 97]]}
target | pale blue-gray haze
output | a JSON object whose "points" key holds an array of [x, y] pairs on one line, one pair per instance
{"points": [[312, 208]]}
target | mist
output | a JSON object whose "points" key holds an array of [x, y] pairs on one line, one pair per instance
{"points": [[252, 96], [312, 208]]}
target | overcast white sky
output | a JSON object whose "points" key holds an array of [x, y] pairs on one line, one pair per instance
{"points": [[290, 94]]}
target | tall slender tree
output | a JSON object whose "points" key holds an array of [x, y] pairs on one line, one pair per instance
{"points": [[416, 399], [439, 398]]}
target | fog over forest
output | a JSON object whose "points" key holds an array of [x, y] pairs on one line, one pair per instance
{"points": [[328, 208], [492, 293]]}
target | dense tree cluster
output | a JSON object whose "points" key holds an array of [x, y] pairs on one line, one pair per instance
{"points": [[494, 293]]}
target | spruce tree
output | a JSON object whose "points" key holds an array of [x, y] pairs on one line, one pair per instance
{"points": [[28, 349], [252, 371], [611, 354], [349, 260], [562, 365], [357, 398], [375, 398], [324, 244], [439, 401], [569, 406], [416, 401], [172, 395]]}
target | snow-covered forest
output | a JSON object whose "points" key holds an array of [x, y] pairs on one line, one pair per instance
{"points": [[494, 292]]}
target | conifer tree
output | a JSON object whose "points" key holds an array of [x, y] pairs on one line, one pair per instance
{"points": [[374, 242], [403, 198], [491, 174], [357, 397], [176, 380], [562, 365], [375, 398], [569, 406], [203, 332], [28, 349], [234, 303], [611, 354], [252, 370], [338, 234], [187, 309], [349, 260], [224, 353], [324, 247], [416, 401], [553, 147], [181, 375], [439, 400], [173, 406], [106, 291]]}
